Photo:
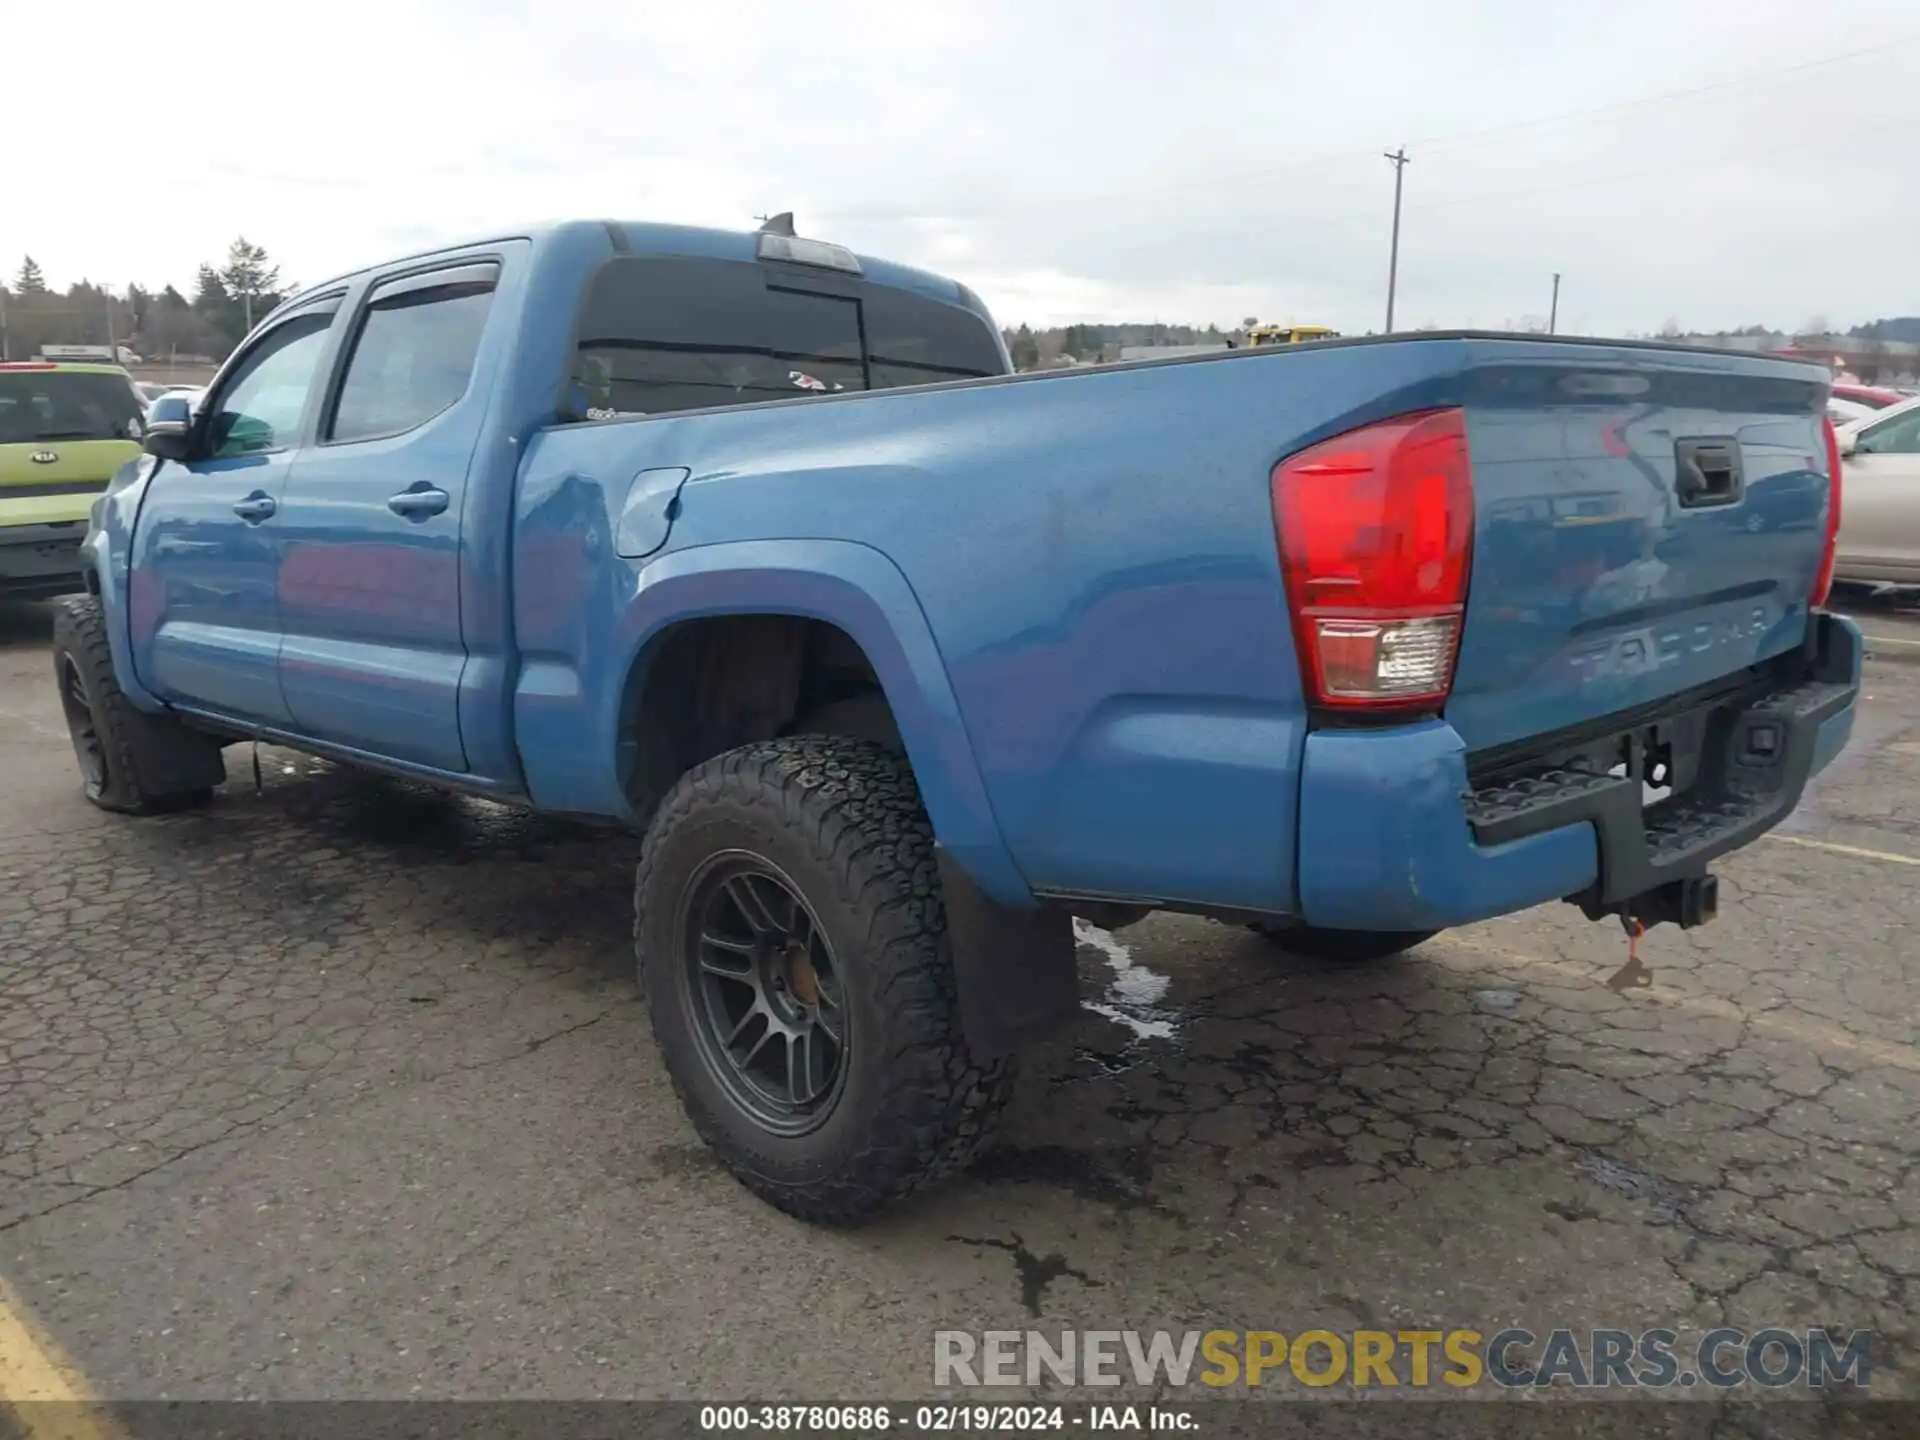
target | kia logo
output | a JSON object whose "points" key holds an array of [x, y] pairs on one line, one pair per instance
{"points": [[43, 457]]}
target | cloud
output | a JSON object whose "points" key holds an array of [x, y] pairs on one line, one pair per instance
{"points": [[1173, 159]]}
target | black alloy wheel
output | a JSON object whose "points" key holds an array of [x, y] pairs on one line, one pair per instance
{"points": [[81, 727], [769, 1011]]}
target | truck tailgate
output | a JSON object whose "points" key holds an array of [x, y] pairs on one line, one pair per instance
{"points": [[1646, 523]]}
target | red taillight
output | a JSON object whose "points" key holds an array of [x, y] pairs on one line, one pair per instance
{"points": [[1823, 580], [1376, 538], [27, 365]]}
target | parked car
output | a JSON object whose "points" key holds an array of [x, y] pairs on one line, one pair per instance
{"points": [[1880, 516], [900, 661], [1845, 412], [64, 429]]}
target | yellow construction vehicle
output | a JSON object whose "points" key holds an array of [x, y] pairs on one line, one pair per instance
{"points": [[1288, 334]]}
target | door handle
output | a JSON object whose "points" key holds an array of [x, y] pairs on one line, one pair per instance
{"points": [[418, 504], [256, 507]]}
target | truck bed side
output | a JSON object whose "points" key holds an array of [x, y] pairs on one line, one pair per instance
{"points": [[1094, 556]]}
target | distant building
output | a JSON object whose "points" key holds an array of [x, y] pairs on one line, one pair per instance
{"points": [[89, 354], [1171, 352], [1872, 361]]}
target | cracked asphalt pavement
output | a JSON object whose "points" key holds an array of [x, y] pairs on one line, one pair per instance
{"points": [[342, 1089]]}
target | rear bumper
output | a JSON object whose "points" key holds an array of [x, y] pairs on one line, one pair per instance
{"points": [[39, 560], [1396, 835]]}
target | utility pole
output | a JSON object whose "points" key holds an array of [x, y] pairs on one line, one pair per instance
{"points": [[1553, 315], [106, 304], [1399, 160]]}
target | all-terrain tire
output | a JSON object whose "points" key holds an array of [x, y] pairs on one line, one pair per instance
{"points": [[842, 819], [131, 762], [1345, 947]]}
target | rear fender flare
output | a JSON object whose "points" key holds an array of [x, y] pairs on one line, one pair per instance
{"points": [[860, 590]]}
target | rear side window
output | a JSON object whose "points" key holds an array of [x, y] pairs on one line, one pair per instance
{"points": [[663, 334], [912, 340], [413, 357], [66, 405]]}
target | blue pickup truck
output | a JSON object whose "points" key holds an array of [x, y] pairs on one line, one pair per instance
{"points": [[899, 660]]}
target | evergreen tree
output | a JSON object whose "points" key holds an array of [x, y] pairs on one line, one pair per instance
{"points": [[1024, 348], [216, 308], [250, 278], [30, 281]]}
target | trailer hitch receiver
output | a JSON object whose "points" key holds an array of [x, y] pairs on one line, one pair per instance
{"points": [[1688, 902]]}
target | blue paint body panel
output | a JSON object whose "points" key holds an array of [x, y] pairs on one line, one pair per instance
{"points": [[1593, 590], [1384, 844], [1068, 585]]}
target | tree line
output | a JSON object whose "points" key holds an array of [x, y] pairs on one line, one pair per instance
{"points": [[1037, 349], [227, 299], [1041, 348], [230, 296]]}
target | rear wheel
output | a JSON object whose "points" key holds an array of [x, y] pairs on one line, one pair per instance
{"points": [[130, 762], [792, 946], [1346, 947]]}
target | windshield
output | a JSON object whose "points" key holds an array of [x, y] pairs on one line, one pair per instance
{"points": [[66, 405]]}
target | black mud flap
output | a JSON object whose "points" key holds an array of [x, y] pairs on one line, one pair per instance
{"points": [[1015, 968]]}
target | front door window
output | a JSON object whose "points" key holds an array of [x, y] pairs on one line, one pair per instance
{"points": [[259, 409]]}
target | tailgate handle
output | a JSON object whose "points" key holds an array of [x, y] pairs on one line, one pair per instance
{"points": [[1707, 472]]}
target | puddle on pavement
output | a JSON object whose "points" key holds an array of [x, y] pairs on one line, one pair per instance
{"points": [[1133, 996]]}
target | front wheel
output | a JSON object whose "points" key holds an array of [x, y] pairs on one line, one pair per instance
{"points": [[130, 762], [792, 947], [1346, 947]]}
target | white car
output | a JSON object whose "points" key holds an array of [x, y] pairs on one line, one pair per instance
{"points": [[194, 392], [1845, 412], [1880, 497]]}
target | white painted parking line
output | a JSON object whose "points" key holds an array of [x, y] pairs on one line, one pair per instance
{"points": [[45, 1390], [1857, 851], [1820, 1036]]}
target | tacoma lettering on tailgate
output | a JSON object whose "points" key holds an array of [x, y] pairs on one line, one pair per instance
{"points": [[1640, 652]]}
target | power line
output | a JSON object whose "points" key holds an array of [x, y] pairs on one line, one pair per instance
{"points": [[1417, 206], [1441, 139], [1691, 166], [1822, 140], [1664, 96]]}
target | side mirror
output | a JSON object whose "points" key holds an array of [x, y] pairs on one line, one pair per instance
{"points": [[170, 428], [1849, 445]]}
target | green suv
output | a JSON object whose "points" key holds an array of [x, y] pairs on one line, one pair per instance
{"points": [[64, 431]]}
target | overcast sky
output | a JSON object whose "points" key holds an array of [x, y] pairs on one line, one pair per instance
{"points": [[1178, 160]]}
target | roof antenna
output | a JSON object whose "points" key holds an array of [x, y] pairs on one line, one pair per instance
{"points": [[781, 224]]}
